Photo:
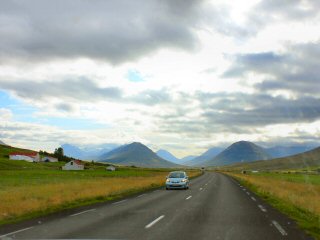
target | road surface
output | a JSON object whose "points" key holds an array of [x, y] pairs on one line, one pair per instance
{"points": [[215, 207]]}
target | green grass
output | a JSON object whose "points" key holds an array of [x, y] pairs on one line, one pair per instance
{"points": [[305, 219], [292, 177]]}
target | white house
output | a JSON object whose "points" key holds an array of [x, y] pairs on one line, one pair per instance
{"points": [[110, 168], [73, 165], [29, 157], [49, 159]]}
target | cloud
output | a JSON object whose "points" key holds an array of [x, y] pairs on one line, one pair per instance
{"points": [[113, 31], [289, 9], [295, 70], [5, 114], [70, 91]]}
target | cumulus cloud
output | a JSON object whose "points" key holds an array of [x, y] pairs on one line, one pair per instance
{"points": [[295, 70], [114, 31], [80, 90], [5, 114]]}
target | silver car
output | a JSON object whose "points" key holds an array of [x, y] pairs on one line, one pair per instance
{"points": [[177, 180]]}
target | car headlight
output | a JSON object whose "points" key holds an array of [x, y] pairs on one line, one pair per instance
{"points": [[168, 180], [184, 180]]}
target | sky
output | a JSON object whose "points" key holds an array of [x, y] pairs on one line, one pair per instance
{"points": [[181, 75]]}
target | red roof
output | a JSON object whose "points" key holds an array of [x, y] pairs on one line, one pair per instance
{"points": [[79, 162], [30, 154]]}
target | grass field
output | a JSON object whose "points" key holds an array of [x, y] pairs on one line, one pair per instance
{"points": [[297, 195], [33, 189]]}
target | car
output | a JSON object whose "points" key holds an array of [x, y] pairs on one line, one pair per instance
{"points": [[177, 180]]}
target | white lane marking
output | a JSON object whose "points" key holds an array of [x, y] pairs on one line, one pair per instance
{"points": [[154, 222], [280, 229], [188, 197], [200, 189], [262, 208], [76, 214], [120, 201], [21, 230], [253, 199], [248, 193], [141, 195]]}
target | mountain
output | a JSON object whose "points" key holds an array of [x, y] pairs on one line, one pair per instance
{"points": [[309, 159], [242, 151], [187, 158], [282, 151], [168, 156], [90, 152], [135, 154], [206, 156], [2, 143]]}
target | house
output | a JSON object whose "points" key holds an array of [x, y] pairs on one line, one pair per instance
{"points": [[29, 157], [110, 168], [49, 159], [74, 165]]}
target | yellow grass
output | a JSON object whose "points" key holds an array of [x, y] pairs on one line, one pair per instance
{"points": [[302, 195], [22, 200]]}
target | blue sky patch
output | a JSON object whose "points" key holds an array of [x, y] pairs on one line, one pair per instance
{"points": [[134, 76]]}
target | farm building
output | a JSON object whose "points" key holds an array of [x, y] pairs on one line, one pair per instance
{"points": [[49, 159], [110, 168], [73, 165], [29, 157]]}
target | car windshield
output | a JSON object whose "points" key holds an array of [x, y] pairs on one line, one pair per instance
{"points": [[176, 175]]}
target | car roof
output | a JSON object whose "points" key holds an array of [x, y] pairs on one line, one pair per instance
{"points": [[178, 172]]}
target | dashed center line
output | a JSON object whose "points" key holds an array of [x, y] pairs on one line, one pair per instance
{"points": [[248, 193], [188, 197], [262, 208], [120, 201], [76, 214], [154, 222], [200, 189], [280, 229], [253, 199], [22, 230]]}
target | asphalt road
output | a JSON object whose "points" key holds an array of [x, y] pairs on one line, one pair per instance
{"points": [[215, 207]]}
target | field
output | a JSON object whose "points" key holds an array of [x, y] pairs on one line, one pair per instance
{"points": [[33, 189], [297, 195]]}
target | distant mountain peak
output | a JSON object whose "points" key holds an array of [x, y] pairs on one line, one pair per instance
{"points": [[242, 151], [135, 154]]}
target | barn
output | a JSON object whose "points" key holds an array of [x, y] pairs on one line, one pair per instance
{"points": [[29, 157], [49, 159], [74, 165]]}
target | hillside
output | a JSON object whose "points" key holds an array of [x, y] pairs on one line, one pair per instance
{"points": [[206, 156], [285, 151], [242, 151], [310, 159], [2, 143], [135, 154]]}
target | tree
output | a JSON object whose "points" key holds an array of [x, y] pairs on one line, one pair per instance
{"points": [[58, 153]]}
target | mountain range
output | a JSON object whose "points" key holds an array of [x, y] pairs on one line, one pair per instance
{"points": [[209, 154], [93, 152], [305, 160], [136, 154]]}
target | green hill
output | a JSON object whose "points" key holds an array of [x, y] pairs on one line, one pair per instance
{"points": [[307, 160]]}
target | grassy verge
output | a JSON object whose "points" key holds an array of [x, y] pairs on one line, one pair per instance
{"points": [[34, 190], [292, 195]]}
